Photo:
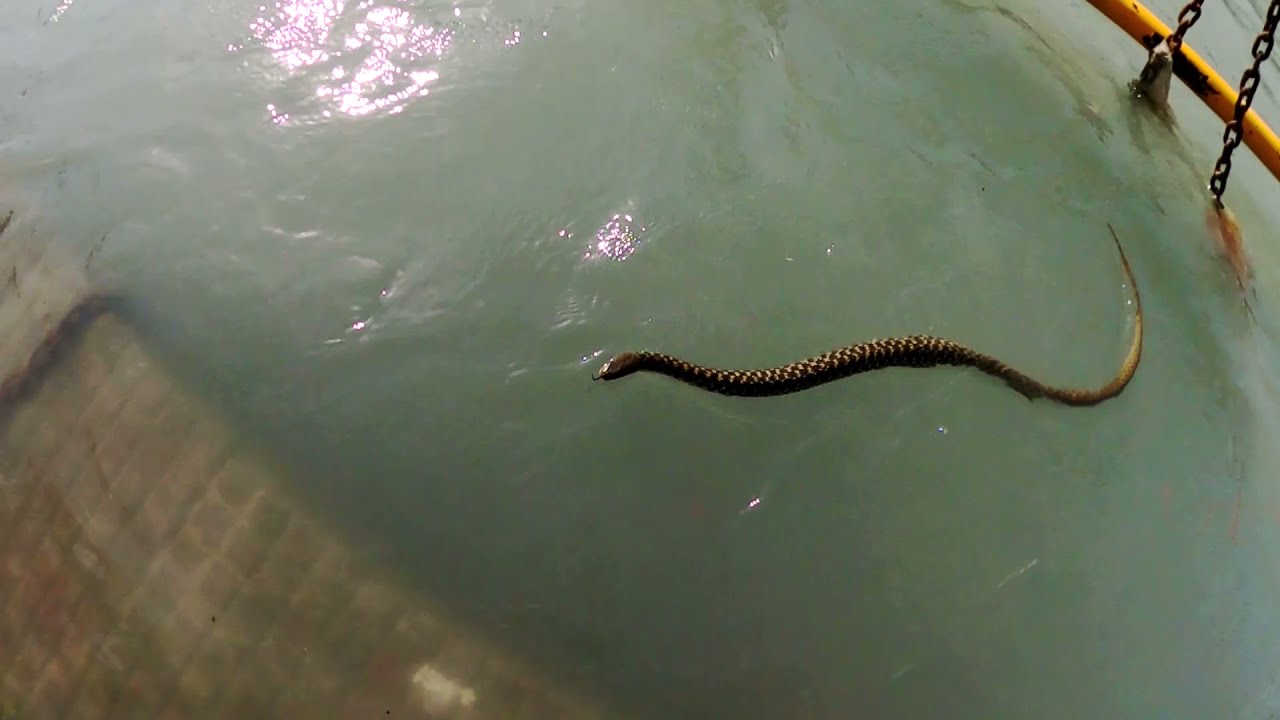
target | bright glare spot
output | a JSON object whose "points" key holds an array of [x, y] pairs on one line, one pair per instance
{"points": [[61, 10], [277, 116], [378, 62], [298, 30], [422, 77], [617, 240]]}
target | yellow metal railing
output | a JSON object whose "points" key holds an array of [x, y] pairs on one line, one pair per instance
{"points": [[1147, 30]]}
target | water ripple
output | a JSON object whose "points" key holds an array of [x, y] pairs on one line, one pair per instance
{"points": [[573, 310]]}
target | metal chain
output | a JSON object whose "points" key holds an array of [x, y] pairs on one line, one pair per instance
{"points": [[1187, 17], [1231, 135]]}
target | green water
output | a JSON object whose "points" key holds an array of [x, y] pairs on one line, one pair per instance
{"points": [[394, 239]]}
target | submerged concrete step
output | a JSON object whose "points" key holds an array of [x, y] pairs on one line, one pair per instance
{"points": [[152, 568]]}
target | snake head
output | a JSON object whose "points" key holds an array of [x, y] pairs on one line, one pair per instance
{"points": [[618, 366]]}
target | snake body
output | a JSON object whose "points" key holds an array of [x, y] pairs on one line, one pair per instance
{"points": [[917, 351]]}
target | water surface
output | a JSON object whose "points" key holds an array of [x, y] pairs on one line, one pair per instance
{"points": [[394, 239]]}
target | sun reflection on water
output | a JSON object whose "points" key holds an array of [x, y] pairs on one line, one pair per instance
{"points": [[617, 239], [61, 9], [364, 58], [297, 31]]}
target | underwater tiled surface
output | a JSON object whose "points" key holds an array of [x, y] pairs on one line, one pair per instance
{"points": [[152, 568]]}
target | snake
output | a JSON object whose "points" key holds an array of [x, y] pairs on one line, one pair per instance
{"points": [[913, 351]]}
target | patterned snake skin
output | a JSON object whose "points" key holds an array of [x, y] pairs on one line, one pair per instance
{"points": [[918, 351]]}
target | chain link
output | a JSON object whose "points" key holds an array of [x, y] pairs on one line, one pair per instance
{"points": [[1187, 17], [1232, 134]]}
